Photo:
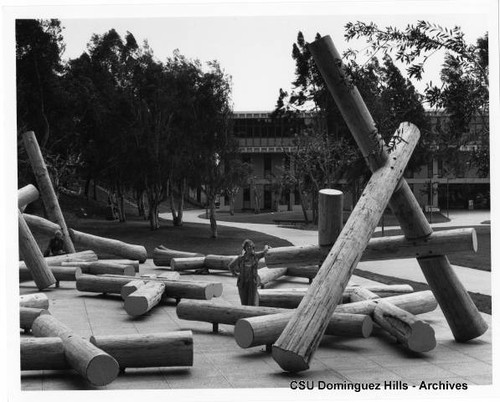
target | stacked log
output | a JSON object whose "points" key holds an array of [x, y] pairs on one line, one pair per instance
{"points": [[26, 195], [144, 298], [168, 349], [103, 267], [96, 366], [27, 315], [162, 256]]}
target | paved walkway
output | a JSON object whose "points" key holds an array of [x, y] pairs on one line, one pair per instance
{"points": [[473, 279]]}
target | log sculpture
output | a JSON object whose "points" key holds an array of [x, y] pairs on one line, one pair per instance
{"points": [[291, 298], [45, 187], [98, 367], [27, 315], [166, 349], [144, 298], [163, 255], [34, 300], [462, 315], [414, 334], [111, 246], [187, 263], [381, 248], [268, 326], [251, 332], [267, 275], [293, 352], [33, 257], [102, 267], [218, 313], [175, 289], [26, 195], [220, 262]]}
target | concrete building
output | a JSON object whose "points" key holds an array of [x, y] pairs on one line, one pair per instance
{"points": [[266, 143]]}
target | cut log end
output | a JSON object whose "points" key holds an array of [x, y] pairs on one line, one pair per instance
{"points": [[136, 306], [102, 370], [367, 327], [422, 337], [288, 360], [243, 334]]}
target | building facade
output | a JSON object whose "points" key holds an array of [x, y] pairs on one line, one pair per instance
{"points": [[266, 143]]}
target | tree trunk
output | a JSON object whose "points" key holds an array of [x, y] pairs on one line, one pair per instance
{"points": [[141, 209], [213, 221], [180, 205], [95, 189], [232, 197], [154, 203], [120, 203], [303, 204], [87, 188]]}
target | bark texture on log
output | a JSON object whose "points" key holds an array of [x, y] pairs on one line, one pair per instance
{"points": [[111, 246], [187, 263], [43, 354], [34, 300], [98, 367], [267, 275], [163, 255], [27, 315], [40, 225], [166, 349], [292, 352], [144, 298], [330, 216], [45, 187], [131, 287], [403, 203], [57, 260]]}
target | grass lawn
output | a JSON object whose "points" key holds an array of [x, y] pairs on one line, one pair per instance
{"points": [[482, 302]]}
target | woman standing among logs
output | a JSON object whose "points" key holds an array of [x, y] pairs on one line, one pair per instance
{"points": [[245, 268]]}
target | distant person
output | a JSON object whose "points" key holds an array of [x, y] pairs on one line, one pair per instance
{"points": [[56, 245], [245, 268]]}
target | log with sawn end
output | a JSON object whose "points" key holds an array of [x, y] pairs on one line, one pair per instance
{"points": [[27, 315], [381, 248], [462, 315], [293, 353], [34, 300], [95, 365], [218, 313], [144, 298], [26, 195], [267, 275]]}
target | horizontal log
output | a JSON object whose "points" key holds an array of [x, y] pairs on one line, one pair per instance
{"points": [[98, 367], [43, 354], [42, 226], [123, 261], [217, 313], [162, 256], [220, 262], [57, 260], [267, 275], [34, 300], [131, 287], [29, 314], [169, 349], [251, 332], [187, 263], [176, 289], [305, 271], [109, 246], [60, 273], [381, 248], [144, 298], [26, 195], [102, 267], [291, 298]]}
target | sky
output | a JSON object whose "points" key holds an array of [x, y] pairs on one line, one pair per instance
{"points": [[255, 50]]}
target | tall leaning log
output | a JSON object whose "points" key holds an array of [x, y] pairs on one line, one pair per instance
{"points": [[26, 195], [168, 349], [111, 246], [217, 313], [163, 255], [462, 315], [45, 187], [302, 335], [381, 248], [98, 367], [251, 332], [267, 326], [144, 298], [33, 257]]}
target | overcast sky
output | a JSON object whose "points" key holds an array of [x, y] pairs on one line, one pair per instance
{"points": [[256, 50]]}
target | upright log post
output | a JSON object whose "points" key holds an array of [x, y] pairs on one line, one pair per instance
{"points": [[462, 315], [45, 187], [330, 223], [26, 195], [33, 257], [293, 351]]}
